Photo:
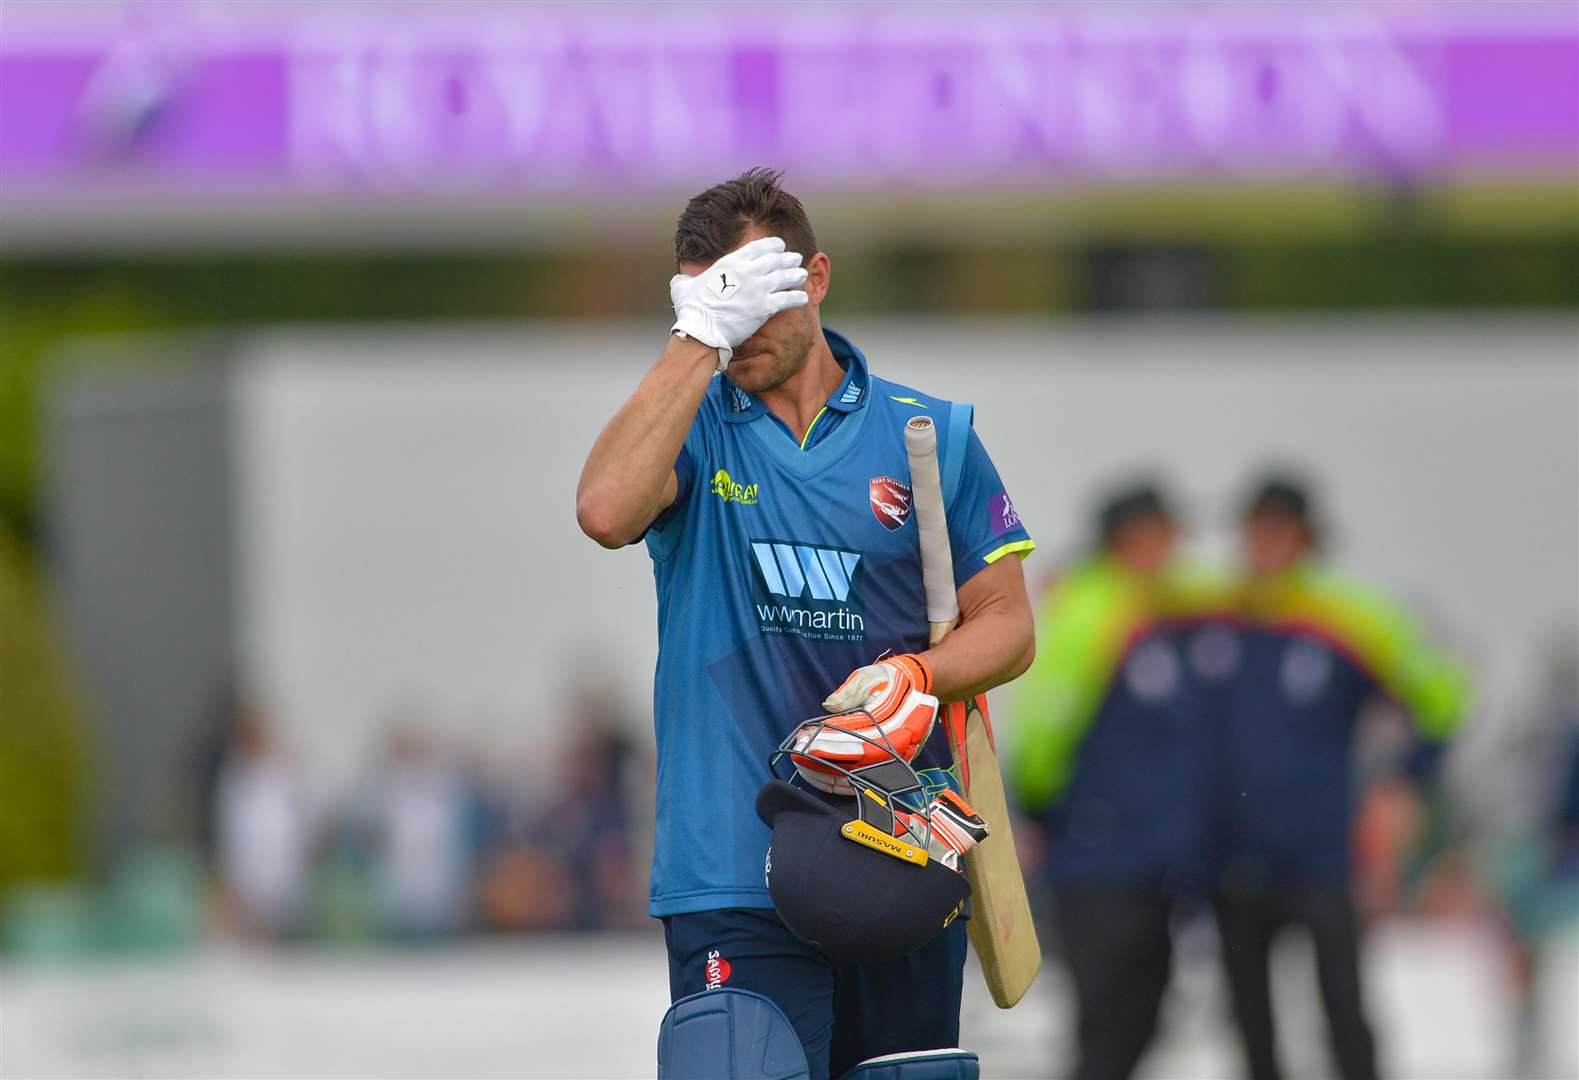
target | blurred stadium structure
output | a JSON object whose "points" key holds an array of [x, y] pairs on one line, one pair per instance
{"points": [[310, 312]]}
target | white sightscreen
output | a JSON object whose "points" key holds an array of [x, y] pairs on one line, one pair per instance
{"points": [[406, 499]]}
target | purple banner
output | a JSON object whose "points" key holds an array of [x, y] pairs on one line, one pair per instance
{"points": [[444, 98]]}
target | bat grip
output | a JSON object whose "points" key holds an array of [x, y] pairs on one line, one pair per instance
{"points": [[926, 489]]}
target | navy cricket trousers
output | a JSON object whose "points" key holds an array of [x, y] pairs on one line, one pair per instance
{"points": [[843, 1013]]}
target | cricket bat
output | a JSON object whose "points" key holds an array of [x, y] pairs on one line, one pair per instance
{"points": [[1001, 929]]}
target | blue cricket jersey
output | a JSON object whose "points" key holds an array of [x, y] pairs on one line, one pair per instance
{"points": [[780, 568]]}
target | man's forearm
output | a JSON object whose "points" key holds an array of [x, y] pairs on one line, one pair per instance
{"points": [[625, 479], [987, 650], [995, 640]]}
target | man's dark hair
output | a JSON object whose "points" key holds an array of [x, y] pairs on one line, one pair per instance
{"points": [[712, 223]]}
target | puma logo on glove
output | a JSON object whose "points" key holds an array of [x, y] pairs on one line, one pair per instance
{"points": [[731, 299]]}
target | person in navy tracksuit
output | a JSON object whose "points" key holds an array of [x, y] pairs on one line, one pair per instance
{"points": [[1107, 762], [1311, 650]]}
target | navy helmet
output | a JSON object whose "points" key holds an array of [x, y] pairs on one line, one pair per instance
{"points": [[850, 874]]}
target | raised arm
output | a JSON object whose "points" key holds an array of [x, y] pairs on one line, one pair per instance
{"points": [[629, 479]]}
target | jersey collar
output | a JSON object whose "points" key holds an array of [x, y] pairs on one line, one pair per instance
{"points": [[850, 395]]}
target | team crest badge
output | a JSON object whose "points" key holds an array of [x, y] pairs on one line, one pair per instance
{"points": [[890, 502]]}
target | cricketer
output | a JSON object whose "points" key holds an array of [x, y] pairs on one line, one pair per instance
{"points": [[763, 464]]}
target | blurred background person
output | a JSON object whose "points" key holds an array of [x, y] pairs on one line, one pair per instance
{"points": [[422, 825], [589, 822], [567, 859], [1528, 844], [1312, 650], [260, 828], [523, 881], [1107, 763], [212, 745]]}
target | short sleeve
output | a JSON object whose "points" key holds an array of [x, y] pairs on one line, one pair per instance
{"points": [[983, 523], [683, 473], [665, 528]]}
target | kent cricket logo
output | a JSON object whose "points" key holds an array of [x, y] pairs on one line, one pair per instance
{"points": [[725, 488], [808, 591], [717, 970], [891, 503]]}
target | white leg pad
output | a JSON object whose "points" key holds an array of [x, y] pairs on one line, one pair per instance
{"points": [[951, 1063]]}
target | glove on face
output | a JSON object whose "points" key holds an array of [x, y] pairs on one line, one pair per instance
{"points": [[730, 300]]}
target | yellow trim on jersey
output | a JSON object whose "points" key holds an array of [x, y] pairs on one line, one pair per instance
{"points": [[1019, 547], [907, 401], [811, 425]]}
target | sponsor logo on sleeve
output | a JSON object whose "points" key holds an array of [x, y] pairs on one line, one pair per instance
{"points": [[1002, 514], [891, 503]]}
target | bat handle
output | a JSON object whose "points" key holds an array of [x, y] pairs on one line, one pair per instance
{"points": [[937, 569]]}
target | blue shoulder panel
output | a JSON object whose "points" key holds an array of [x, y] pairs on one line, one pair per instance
{"points": [[955, 441]]}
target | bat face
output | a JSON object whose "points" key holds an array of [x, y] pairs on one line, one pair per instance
{"points": [[1001, 930]]}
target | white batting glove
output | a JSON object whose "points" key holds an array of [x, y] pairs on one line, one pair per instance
{"points": [[730, 300]]}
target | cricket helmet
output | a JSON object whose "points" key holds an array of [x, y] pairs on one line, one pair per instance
{"points": [[865, 877]]}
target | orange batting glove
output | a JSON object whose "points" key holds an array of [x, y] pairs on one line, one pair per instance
{"points": [[879, 688], [882, 709], [893, 698]]}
